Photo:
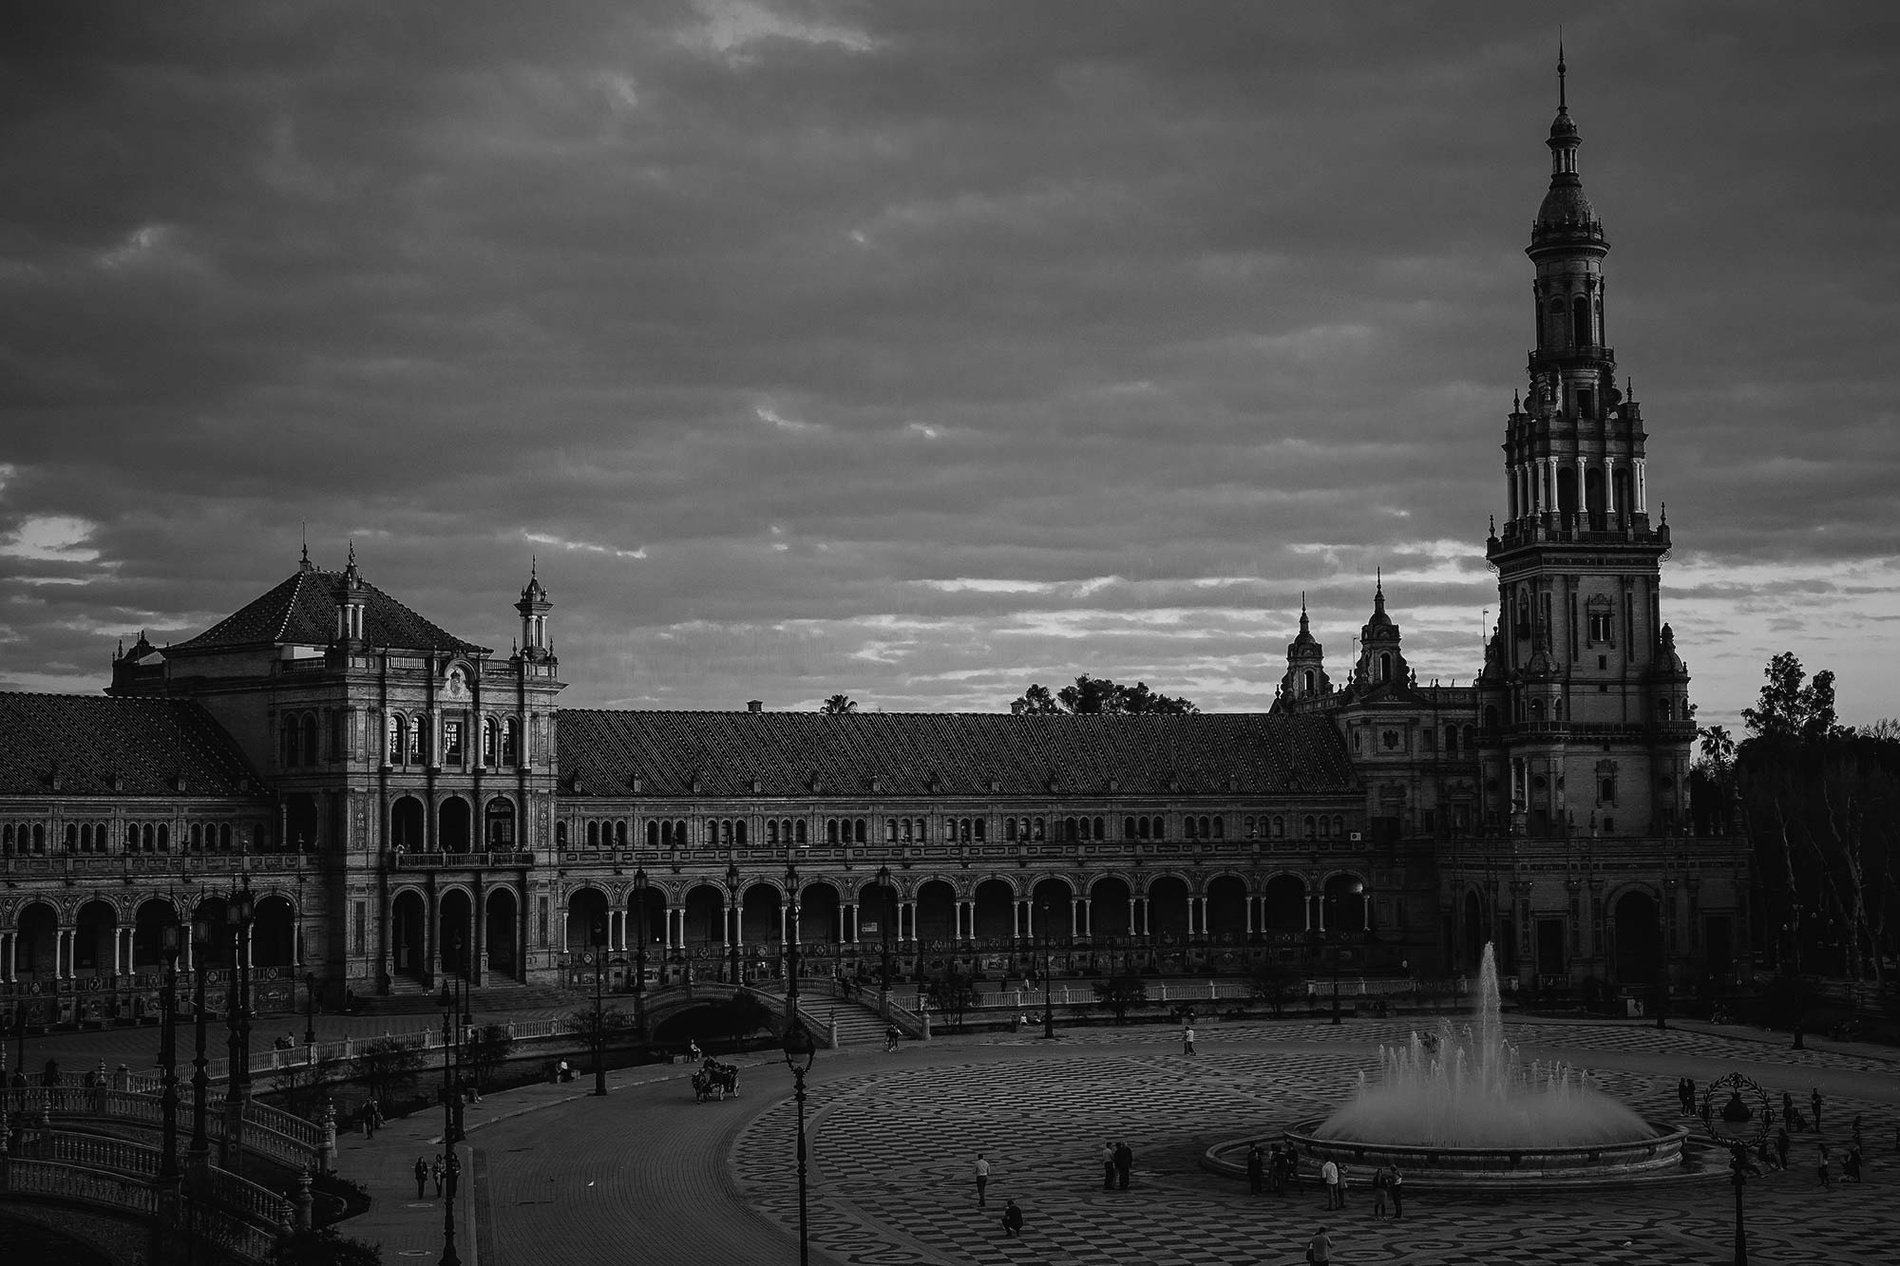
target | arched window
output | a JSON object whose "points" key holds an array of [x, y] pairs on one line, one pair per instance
{"points": [[1311, 826], [1220, 828], [1339, 826], [593, 833], [1306, 687], [560, 835], [309, 728], [394, 729], [491, 741], [1385, 666], [511, 741], [799, 830], [831, 830], [289, 755], [164, 838], [418, 741], [1580, 321]]}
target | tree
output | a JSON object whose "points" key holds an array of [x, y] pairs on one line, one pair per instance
{"points": [[954, 995], [387, 1065], [300, 1086], [1091, 696], [1120, 992], [323, 1247], [1272, 981], [612, 1020], [487, 1050], [1788, 710], [839, 706]]}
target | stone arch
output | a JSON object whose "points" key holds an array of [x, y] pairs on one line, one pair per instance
{"points": [[1111, 909], [36, 947], [149, 921], [586, 916], [818, 905], [455, 825], [408, 829], [1636, 936], [936, 910], [455, 931], [1168, 906], [499, 825], [759, 920], [1051, 900], [502, 932], [1227, 908], [300, 822], [274, 933], [94, 927], [409, 934], [705, 918], [1283, 904], [995, 909], [1345, 901]]}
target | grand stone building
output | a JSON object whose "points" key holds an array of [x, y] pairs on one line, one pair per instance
{"points": [[403, 803]]}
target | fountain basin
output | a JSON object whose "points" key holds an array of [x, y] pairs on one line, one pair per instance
{"points": [[1665, 1153]]}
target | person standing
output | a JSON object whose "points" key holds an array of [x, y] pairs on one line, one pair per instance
{"points": [[1378, 1194], [1187, 1039], [1108, 1167], [1781, 1146], [1814, 1101], [1124, 1165], [1256, 1169], [1395, 1187], [982, 1179], [1329, 1174], [1012, 1219], [1319, 1249], [1827, 1178], [435, 1172], [422, 1176]]}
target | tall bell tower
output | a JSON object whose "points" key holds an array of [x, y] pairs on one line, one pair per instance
{"points": [[1584, 702]]}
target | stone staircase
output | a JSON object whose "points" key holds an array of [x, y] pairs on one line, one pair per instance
{"points": [[858, 1022]]}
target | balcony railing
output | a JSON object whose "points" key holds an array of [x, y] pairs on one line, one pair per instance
{"points": [[403, 859]]}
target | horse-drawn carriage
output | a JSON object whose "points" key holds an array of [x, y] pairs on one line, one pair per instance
{"points": [[715, 1080]]}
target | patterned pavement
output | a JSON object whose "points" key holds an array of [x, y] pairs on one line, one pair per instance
{"points": [[893, 1144]]}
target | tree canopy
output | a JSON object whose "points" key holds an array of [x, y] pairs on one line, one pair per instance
{"points": [[1791, 710], [1091, 696], [838, 706]]}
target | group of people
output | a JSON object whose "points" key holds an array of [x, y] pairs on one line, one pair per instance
{"points": [[1272, 1171], [1118, 1162], [439, 1170]]}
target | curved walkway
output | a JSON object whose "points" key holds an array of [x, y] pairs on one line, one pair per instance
{"points": [[648, 1175]]}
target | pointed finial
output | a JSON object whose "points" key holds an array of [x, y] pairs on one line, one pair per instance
{"points": [[304, 563], [1378, 582], [352, 553], [1665, 514], [1561, 69], [1517, 401], [534, 565], [1494, 525]]}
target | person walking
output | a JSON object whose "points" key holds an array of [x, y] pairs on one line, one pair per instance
{"points": [[1827, 1177], [1781, 1146], [1187, 1039], [890, 1037], [982, 1179], [1108, 1167], [1850, 1167], [1124, 1165], [1395, 1187], [435, 1171], [1688, 1096], [1814, 1102], [1329, 1174], [422, 1175], [1256, 1169], [1012, 1219], [1319, 1249]]}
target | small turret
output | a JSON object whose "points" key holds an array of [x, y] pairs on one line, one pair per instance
{"points": [[1305, 664], [352, 599], [1381, 661], [534, 607]]}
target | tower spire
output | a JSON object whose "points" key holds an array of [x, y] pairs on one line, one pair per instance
{"points": [[1562, 70]]}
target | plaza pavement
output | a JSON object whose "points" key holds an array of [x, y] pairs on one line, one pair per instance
{"points": [[647, 1175]]}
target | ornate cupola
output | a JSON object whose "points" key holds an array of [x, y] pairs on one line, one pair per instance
{"points": [[352, 598], [534, 607], [1381, 660], [1305, 664]]}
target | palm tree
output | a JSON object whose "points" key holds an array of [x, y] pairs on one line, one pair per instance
{"points": [[839, 705]]}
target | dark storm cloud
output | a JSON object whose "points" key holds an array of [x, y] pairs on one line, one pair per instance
{"points": [[920, 351]]}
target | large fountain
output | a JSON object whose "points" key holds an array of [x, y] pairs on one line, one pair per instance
{"points": [[1460, 1109]]}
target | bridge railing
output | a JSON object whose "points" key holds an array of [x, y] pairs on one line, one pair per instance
{"points": [[66, 1182]]}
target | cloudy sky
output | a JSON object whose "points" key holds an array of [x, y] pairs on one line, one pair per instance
{"points": [[922, 351]]}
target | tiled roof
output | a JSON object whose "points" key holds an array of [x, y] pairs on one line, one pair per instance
{"points": [[303, 610], [922, 754], [147, 744]]}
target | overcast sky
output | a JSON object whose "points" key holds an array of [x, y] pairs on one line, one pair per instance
{"points": [[923, 351]]}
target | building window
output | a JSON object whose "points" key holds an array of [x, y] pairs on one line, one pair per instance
{"points": [[1391, 740], [1600, 627], [451, 742]]}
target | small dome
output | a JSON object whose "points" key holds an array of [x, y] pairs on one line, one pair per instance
{"points": [[1561, 126], [1565, 205]]}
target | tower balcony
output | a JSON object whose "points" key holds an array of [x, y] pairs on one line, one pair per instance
{"points": [[1579, 529]]}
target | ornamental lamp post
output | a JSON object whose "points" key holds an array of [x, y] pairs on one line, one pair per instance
{"points": [[738, 922], [640, 953], [310, 1008], [168, 1055], [450, 1009], [200, 1078], [600, 1015], [239, 913], [890, 916], [1048, 1004], [800, 1049], [791, 943]]}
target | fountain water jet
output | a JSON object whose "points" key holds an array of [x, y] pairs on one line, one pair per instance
{"points": [[1463, 1112]]}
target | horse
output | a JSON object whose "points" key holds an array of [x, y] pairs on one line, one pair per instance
{"points": [[715, 1080]]}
